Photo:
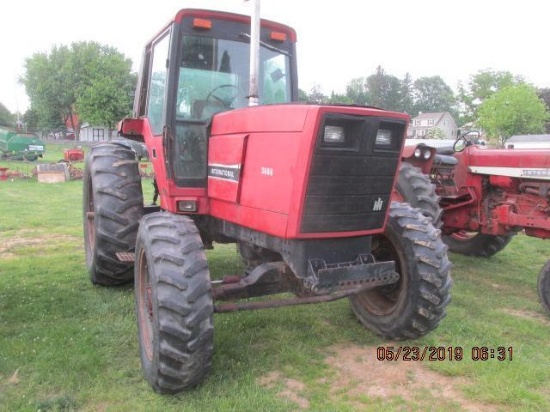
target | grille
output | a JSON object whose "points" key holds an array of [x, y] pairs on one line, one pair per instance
{"points": [[350, 187]]}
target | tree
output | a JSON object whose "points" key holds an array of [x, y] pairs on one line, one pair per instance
{"points": [[544, 95], [384, 90], [432, 94], [44, 81], [407, 94], [513, 110], [379, 89], [357, 91], [336, 98], [435, 133], [106, 102], [316, 95], [6, 117], [68, 77], [481, 86]]}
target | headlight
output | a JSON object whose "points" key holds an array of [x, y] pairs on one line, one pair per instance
{"points": [[334, 134], [383, 137], [424, 154]]}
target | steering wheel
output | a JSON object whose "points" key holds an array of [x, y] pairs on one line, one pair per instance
{"points": [[460, 144], [465, 140], [225, 102]]}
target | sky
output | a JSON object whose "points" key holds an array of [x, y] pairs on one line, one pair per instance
{"points": [[337, 41]]}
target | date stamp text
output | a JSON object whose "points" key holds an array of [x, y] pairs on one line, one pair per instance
{"points": [[444, 353]]}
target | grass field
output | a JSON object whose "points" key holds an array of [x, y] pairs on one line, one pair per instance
{"points": [[68, 345]]}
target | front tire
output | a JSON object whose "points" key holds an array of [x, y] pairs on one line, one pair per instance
{"points": [[543, 286], [173, 304], [476, 244], [417, 303], [416, 189], [113, 207]]}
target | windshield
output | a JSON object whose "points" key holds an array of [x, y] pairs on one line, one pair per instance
{"points": [[214, 76]]}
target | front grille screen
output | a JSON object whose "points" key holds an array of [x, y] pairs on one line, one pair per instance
{"points": [[350, 183]]}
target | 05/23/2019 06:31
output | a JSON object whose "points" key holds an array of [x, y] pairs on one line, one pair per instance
{"points": [[443, 353]]}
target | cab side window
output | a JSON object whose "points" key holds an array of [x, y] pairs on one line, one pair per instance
{"points": [[156, 99]]}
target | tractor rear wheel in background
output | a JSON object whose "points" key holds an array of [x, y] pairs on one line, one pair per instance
{"points": [[417, 303], [174, 306], [543, 286], [113, 207], [476, 244], [416, 189]]}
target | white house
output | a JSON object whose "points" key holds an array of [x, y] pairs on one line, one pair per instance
{"points": [[425, 123]]}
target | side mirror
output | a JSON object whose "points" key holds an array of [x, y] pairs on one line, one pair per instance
{"points": [[131, 129], [277, 75]]}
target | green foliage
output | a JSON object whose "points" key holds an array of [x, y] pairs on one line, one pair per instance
{"points": [[544, 95], [316, 95], [513, 110], [357, 91], [302, 95], [435, 133], [32, 119], [49, 86], [428, 94], [6, 117], [407, 94], [432, 94], [86, 78], [336, 98], [379, 89], [106, 102], [384, 90], [481, 86]]}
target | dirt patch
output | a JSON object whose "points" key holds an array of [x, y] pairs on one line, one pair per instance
{"points": [[32, 239], [14, 379], [359, 375], [291, 388], [527, 314]]}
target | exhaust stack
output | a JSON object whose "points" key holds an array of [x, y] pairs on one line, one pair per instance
{"points": [[253, 96]]}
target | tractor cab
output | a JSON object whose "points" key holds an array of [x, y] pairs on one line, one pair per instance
{"points": [[196, 67]]}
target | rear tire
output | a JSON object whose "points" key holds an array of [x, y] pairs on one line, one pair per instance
{"points": [[417, 303], [543, 286], [476, 244], [113, 207], [173, 304]]}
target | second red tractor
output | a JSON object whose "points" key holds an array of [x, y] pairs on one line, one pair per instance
{"points": [[481, 197]]}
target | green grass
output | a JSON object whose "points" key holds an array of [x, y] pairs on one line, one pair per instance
{"points": [[68, 345]]}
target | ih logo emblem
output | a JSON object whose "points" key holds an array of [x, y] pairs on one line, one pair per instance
{"points": [[378, 205]]}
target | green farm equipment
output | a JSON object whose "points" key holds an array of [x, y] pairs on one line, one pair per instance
{"points": [[15, 145]]}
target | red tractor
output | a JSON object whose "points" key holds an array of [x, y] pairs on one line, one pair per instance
{"points": [[73, 155], [303, 190], [481, 197]]}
